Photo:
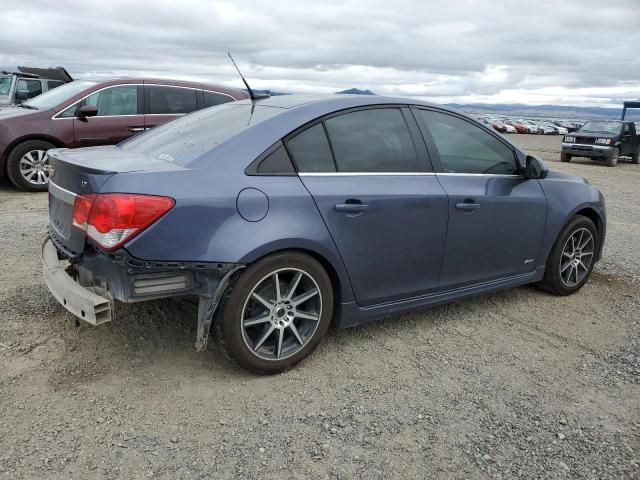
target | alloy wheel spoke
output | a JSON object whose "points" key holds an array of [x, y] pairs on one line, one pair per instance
{"points": [[581, 236], [586, 242], [296, 334], [567, 265], [587, 254], [264, 302], [24, 160], [264, 337], [279, 345], [276, 286], [30, 157], [304, 297], [307, 316], [262, 318], [294, 284]]}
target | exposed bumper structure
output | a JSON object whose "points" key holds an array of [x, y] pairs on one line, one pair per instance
{"points": [[590, 151], [81, 301]]}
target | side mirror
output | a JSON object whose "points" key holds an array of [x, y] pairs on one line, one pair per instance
{"points": [[535, 168], [88, 111], [22, 95]]}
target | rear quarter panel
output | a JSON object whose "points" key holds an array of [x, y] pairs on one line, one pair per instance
{"points": [[205, 226]]}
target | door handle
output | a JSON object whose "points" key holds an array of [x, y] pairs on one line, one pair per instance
{"points": [[351, 207], [136, 129], [468, 206]]}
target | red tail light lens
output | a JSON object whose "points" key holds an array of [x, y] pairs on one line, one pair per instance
{"points": [[111, 219]]}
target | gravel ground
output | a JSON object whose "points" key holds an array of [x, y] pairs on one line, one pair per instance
{"points": [[516, 384]]}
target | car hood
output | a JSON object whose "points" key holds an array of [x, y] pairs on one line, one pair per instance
{"points": [[594, 135], [565, 177], [10, 112]]}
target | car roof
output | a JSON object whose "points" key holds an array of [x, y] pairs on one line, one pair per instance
{"points": [[336, 101]]}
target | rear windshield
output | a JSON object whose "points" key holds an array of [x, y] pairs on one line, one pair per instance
{"points": [[185, 139]]}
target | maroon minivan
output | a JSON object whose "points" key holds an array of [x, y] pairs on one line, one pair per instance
{"points": [[85, 113]]}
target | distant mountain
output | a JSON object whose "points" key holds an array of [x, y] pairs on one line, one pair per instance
{"points": [[356, 91], [560, 111]]}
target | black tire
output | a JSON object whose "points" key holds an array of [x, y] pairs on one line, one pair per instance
{"points": [[635, 158], [13, 165], [565, 157], [612, 161], [235, 338], [552, 281]]}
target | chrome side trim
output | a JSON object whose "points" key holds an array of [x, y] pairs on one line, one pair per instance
{"points": [[63, 194], [446, 174], [366, 174]]}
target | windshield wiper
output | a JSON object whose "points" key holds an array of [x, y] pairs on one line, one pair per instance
{"points": [[30, 107]]}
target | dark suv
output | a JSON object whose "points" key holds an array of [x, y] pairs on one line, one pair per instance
{"points": [[87, 113], [602, 139]]}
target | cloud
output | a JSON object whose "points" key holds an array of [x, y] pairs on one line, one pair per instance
{"points": [[571, 52]]}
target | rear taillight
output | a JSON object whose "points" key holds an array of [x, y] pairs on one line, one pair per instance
{"points": [[111, 219]]}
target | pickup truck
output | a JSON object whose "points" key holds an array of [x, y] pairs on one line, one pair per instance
{"points": [[606, 140], [27, 82]]}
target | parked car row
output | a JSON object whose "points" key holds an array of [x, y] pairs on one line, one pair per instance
{"points": [[86, 113], [521, 125]]}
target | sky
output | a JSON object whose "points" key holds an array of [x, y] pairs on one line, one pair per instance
{"points": [[563, 52]]}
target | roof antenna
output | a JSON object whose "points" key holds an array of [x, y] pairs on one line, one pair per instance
{"points": [[254, 96]]}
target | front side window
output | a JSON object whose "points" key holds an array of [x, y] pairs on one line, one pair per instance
{"points": [[311, 151], [375, 140], [120, 100], [466, 148], [33, 88], [171, 100]]}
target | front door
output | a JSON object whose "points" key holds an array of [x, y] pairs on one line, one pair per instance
{"points": [[371, 179], [496, 216], [119, 116]]}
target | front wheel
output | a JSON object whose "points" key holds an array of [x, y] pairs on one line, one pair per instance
{"points": [[572, 257], [276, 312], [565, 157], [28, 165], [612, 161], [635, 158]]}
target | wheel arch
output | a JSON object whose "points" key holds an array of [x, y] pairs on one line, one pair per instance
{"points": [[593, 215], [338, 276]]}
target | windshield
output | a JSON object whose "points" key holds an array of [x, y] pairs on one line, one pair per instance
{"points": [[5, 85], [58, 95], [601, 127], [187, 138]]}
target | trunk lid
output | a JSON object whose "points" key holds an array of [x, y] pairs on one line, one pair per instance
{"points": [[83, 171]]}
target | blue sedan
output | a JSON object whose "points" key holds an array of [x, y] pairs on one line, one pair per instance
{"points": [[284, 215]]}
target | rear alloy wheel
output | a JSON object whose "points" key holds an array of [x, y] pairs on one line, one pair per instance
{"points": [[572, 258], [28, 165], [612, 161], [276, 313], [565, 157]]}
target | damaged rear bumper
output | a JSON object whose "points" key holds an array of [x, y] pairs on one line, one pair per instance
{"points": [[81, 301], [86, 285]]}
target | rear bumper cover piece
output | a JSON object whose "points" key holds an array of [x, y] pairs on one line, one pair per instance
{"points": [[81, 301]]}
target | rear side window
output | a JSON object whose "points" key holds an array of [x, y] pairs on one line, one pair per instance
{"points": [[120, 100], [275, 162], [311, 151], [33, 88], [466, 148], [170, 100], [375, 140], [212, 98]]}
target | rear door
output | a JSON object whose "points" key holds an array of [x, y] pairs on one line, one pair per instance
{"points": [[370, 177], [164, 103], [496, 216], [119, 116]]}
